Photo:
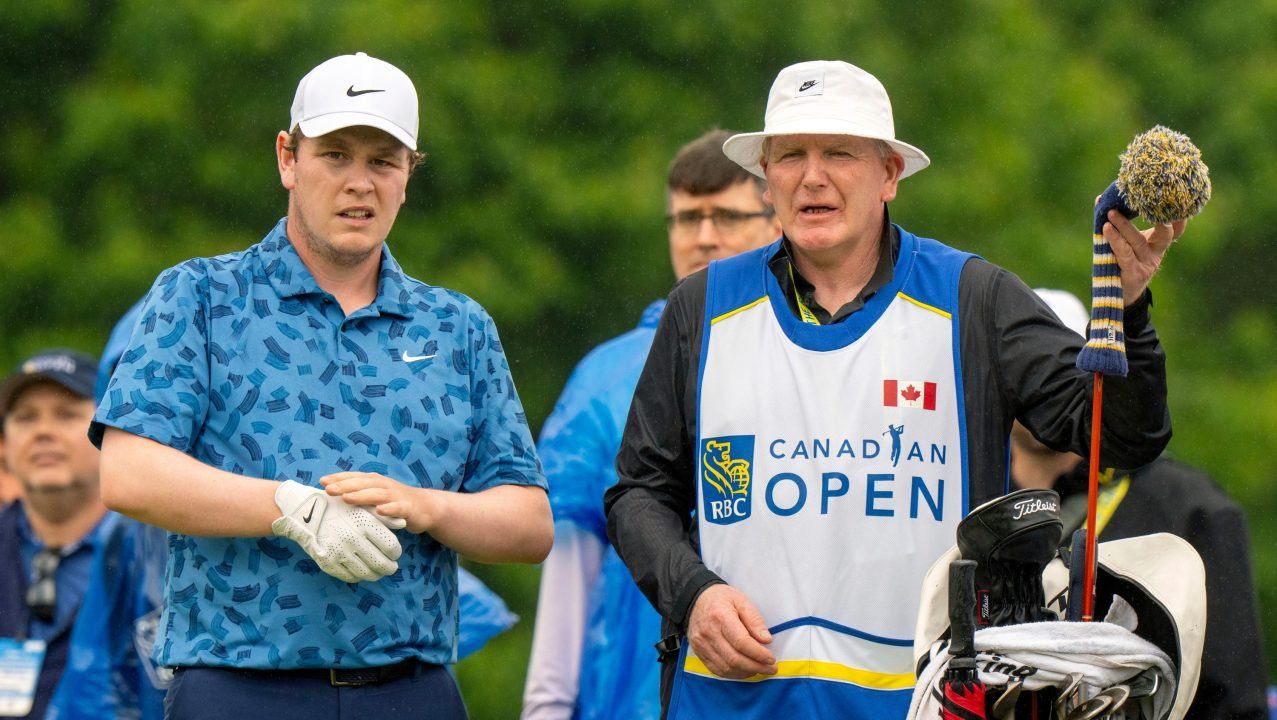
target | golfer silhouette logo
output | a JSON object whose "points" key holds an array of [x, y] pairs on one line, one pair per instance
{"points": [[896, 431]]}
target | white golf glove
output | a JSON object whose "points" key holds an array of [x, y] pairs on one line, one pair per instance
{"points": [[349, 542]]}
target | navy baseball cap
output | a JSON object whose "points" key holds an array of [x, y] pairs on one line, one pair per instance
{"points": [[75, 371]]}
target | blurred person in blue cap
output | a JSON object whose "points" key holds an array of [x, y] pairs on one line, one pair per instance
{"points": [[9, 488], [592, 651], [816, 416], [1171, 497], [47, 536], [307, 388]]}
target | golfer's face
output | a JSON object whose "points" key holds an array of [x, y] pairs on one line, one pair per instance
{"points": [[348, 186], [828, 190]]}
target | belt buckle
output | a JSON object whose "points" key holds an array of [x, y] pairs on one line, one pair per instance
{"points": [[334, 681]]}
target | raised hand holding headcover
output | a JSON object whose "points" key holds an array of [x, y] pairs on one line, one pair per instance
{"points": [[1161, 177]]}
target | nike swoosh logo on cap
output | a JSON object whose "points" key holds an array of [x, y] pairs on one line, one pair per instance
{"points": [[352, 92], [415, 358]]}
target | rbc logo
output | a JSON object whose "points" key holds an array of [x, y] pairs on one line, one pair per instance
{"points": [[726, 473]]}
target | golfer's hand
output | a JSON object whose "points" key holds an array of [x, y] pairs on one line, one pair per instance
{"points": [[1139, 252], [728, 634], [348, 542], [390, 500]]}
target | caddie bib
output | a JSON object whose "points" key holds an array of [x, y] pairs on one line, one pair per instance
{"points": [[831, 474]]}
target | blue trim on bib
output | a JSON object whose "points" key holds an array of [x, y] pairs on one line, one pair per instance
{"points": [[962, 409], [841, 334], [704, 697], [676, 692], [711, 293], [845, 630], [737, 281], [935, 275]]}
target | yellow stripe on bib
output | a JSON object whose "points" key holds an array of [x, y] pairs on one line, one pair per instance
{"points": [[820, 670], [925, 306], [740, 309]]}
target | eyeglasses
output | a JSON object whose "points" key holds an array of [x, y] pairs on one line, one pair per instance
{"points": [[42, 596], [724, 220]]}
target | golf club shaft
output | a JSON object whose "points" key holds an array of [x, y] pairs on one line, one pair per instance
{"points": [[1092, 497]]}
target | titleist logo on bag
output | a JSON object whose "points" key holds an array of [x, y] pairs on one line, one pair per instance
{"points": [[1029, 507]]}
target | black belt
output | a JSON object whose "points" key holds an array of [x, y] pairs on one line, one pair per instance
{"points": [[354, 677], [346, 677]]}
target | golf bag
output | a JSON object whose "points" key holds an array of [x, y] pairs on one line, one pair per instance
{"points": [[1151, 592]]}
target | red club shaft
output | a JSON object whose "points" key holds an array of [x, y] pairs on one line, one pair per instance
{"points": [[1092, 499]]}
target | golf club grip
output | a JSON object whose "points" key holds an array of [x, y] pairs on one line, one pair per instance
{"points": [[962, 608], [1077, 560]]}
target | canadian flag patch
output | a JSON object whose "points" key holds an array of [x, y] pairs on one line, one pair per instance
{"points": [[909, 393]]}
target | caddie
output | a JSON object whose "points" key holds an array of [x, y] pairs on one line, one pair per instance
{"points": [[321, 435], [816, 416], [592, 655]]}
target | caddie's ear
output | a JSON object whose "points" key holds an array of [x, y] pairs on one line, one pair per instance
{"points": [[767, 191], [895, 165], [286, 158]]}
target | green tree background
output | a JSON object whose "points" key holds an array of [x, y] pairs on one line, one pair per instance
{"points": [[135, 134]]}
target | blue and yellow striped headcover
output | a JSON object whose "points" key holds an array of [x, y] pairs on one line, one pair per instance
{"points": [[1163, 178]]}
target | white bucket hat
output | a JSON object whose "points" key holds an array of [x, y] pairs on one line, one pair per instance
{"points": [[351, 90], [825, 97]]}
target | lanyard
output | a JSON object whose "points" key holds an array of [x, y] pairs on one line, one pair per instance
{"points": [[803, 311], [1112, 492]]}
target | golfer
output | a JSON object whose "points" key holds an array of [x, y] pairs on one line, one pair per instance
{"points": [[255, 379]]}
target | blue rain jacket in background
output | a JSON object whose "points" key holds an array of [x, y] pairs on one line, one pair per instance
{"points": [[619, 674]]}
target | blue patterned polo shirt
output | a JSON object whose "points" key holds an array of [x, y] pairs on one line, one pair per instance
{"points": [[244, 363]]}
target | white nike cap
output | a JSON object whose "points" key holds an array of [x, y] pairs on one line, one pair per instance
{"points": [[825, 97], [351, 90]]}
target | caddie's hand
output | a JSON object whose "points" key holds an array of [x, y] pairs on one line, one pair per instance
{"points": [[728, 634], [394, 503], [1139, 252], [348, 542]]}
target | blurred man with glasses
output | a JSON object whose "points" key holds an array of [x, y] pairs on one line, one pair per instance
{"points": [[704, 185], [592, 654], [48, 536]]}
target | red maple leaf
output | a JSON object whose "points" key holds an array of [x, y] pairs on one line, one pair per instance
{"points": [[910, 393]]}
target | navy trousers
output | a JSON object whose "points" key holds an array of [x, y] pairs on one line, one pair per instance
{"points": [[227, 694]]}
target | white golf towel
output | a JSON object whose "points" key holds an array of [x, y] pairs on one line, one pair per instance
{"points": [[1045, 654]]}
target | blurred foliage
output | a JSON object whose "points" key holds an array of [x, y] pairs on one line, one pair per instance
{"points": [[135, 134]]}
